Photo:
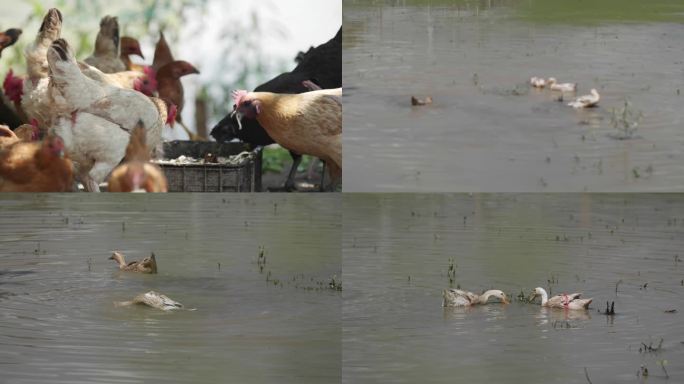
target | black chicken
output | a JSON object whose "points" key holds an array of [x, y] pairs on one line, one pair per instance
{"points": [[321, 65], [7, 115]]}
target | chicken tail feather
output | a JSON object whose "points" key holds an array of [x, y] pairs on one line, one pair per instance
{"points": [[61, 47]]}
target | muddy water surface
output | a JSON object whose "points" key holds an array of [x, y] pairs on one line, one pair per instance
{"points": [[396, 257], [487, 130], [58, 322]]}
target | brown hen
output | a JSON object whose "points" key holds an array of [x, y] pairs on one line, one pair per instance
{"points": [[136, 173], [36, 167]]}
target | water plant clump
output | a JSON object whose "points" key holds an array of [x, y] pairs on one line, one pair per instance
{"points": [[451, 272], [650, 348], [610, 309], [261, 259], [625, 120], [521, 297], [335, 284]]}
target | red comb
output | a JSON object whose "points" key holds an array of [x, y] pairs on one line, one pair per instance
{"points": [[238, 96], [149, 71]]}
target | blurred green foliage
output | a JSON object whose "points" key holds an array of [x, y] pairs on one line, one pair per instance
{"points": [[238, 41], [276, 159], [600, 11], [559, 11], [141, 19]]}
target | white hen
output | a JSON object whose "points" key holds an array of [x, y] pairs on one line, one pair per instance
{"points": [[94, 119], [35, 98]]}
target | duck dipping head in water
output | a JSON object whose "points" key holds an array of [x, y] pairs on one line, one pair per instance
{"points": [[459, 298], [537, 82], [154, 300], [416, 101], [563, 87]]}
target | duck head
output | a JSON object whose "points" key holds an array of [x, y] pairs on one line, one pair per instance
{"points": [[496, 294], [118, 257], [539, 291]]}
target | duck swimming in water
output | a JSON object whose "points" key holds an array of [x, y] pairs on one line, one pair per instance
{"points": [[147, 265], [537, 82], [154, 300], [586, 101], [563, 87], [564, 301], [417, 101], [458, 298]]}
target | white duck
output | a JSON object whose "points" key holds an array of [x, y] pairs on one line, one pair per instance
{"points": [[586, 101], [458, 298], [564, 301], [563, 87], [537, 82]]}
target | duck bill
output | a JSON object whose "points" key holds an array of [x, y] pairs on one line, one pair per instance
{"points": [[505, 301]]}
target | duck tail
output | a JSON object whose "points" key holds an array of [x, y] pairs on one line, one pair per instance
{"points": [[587, 302]]}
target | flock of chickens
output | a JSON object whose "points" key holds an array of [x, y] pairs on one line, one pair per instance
{"points": [[101, 119]]}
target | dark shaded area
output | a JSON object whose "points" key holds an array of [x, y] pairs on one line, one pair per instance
{"points": [[8, 116]]}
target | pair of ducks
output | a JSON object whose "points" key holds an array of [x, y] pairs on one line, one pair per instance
{"points": [[151, 298], [586, 101], [459, 298]]}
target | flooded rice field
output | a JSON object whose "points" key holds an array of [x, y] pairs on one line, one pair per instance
{"points": [[255, 320], [487, 129], [626, 249]]}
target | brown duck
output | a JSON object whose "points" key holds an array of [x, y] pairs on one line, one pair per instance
{"points": [[146, 265], [416, 101]]}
